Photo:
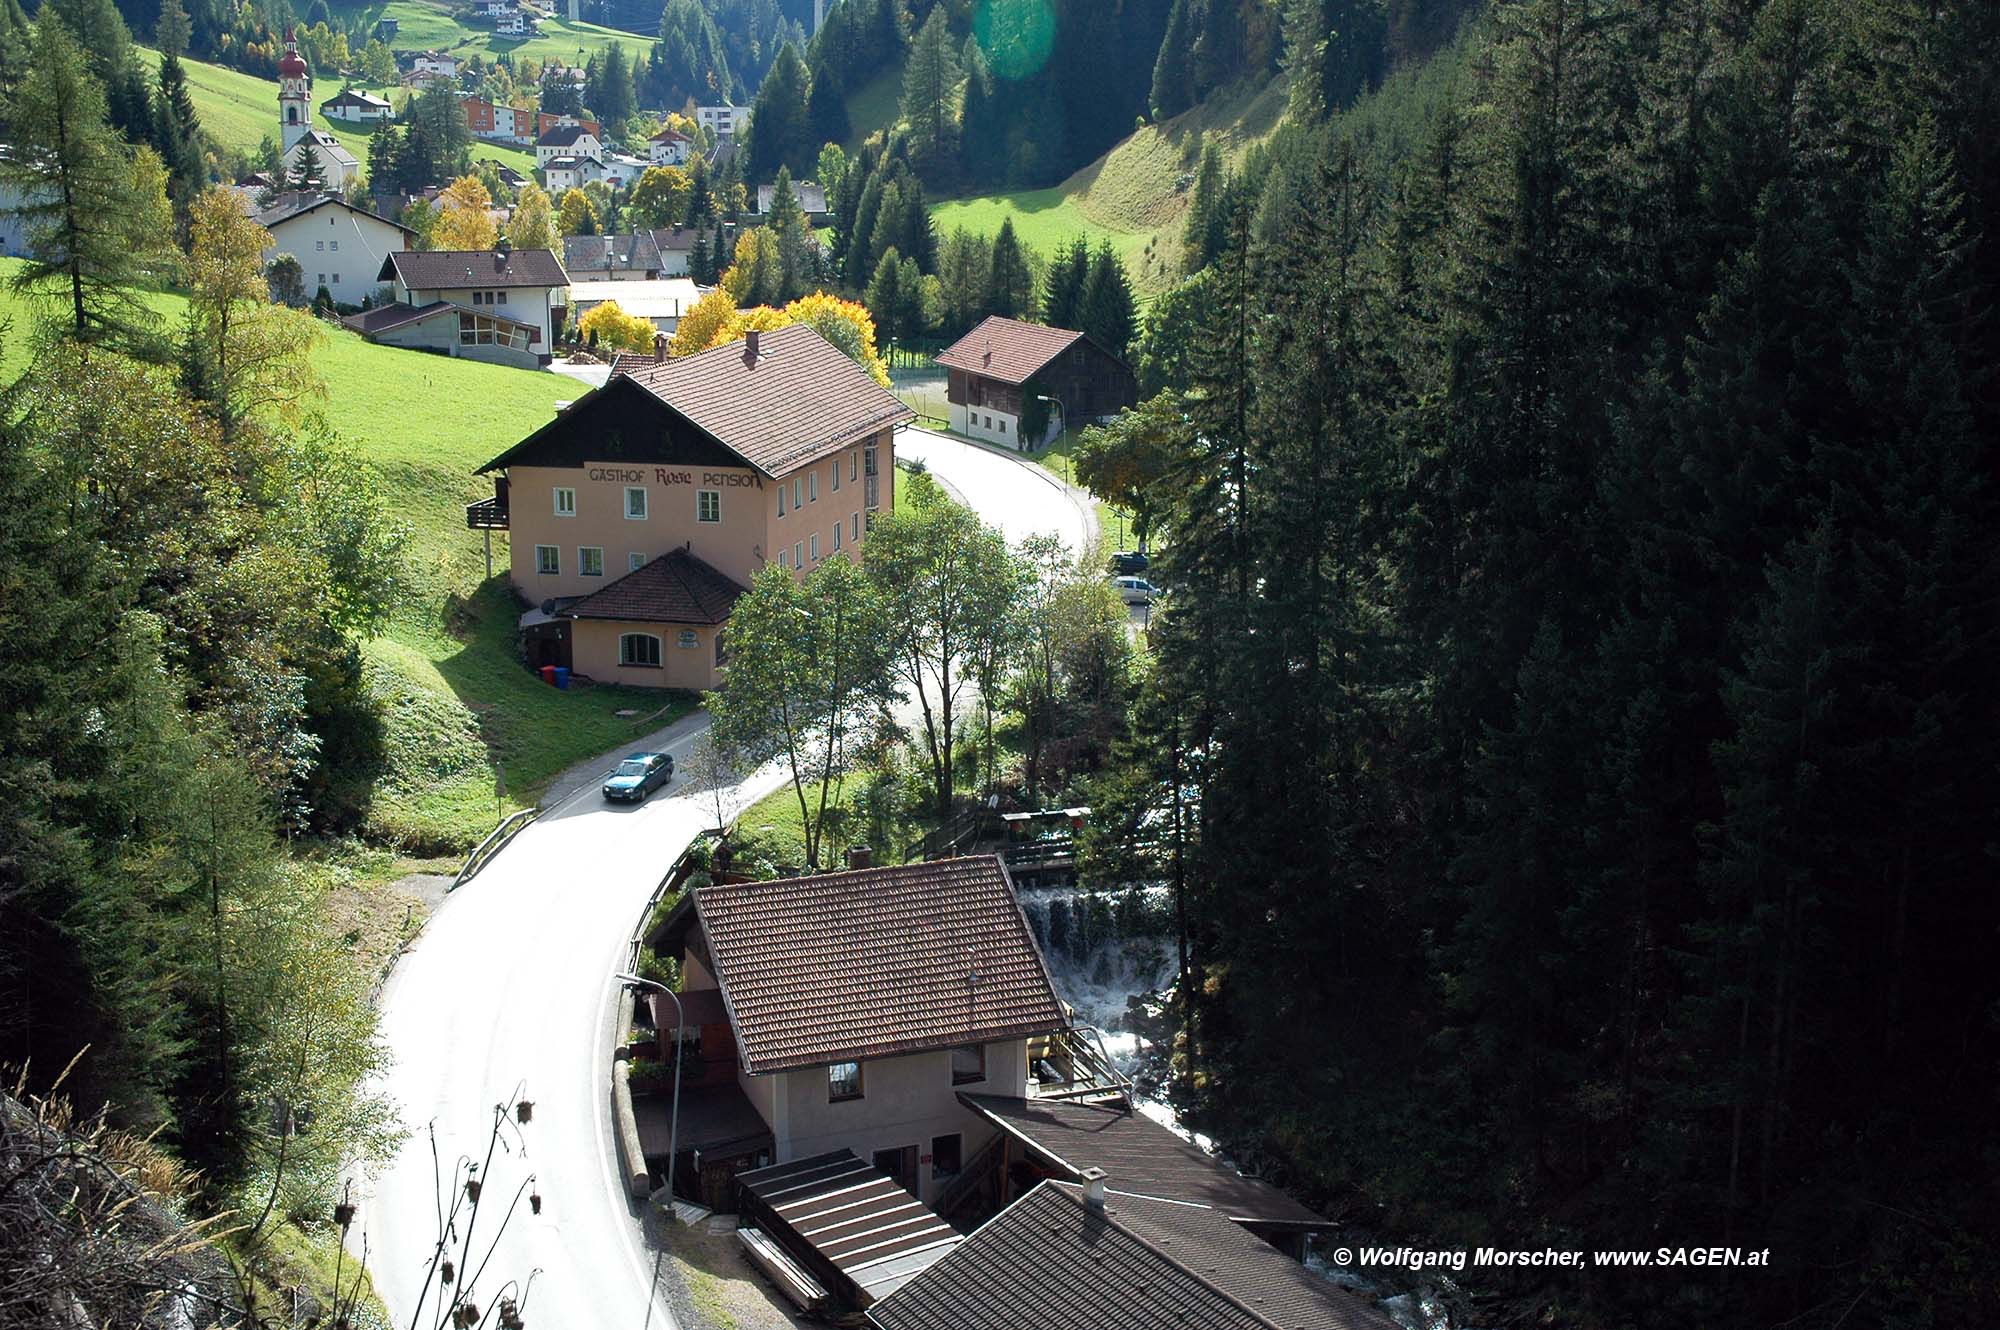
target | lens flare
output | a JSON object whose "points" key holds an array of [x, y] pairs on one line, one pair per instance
{"points": [[1016, 35]]}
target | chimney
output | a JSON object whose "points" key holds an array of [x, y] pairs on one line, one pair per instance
{"points": [[659, 348], [860, 856], [750, 348], [1093, 1188]]}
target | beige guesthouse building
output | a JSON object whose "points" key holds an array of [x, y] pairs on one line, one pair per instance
{"points": [[638, 516]]}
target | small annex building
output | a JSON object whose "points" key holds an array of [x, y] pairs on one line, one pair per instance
{"points": [[997, 370], [1092, 1257], [777, 449]]}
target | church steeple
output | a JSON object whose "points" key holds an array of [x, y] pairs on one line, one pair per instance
{"points": [[294, 94]]}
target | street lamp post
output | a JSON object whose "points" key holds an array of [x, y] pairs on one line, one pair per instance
{"points": [[674, 1123], [1051, 397]]}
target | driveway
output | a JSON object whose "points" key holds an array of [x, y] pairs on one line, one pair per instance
{"points": [[510, 984]]}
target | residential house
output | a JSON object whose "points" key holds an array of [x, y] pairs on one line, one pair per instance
{"points": [[626, 258], [777, 449], [491, 120], [662, 300], [722, 121], [358, 108], [501, 306], [565, 173], [340, 247], [548, 120], [574, 140], [675, 244], [518, 23], [434, 65], [997, 369], [509, 177], [621, 170], [855, 1008], [669, 147], [385, 29]]}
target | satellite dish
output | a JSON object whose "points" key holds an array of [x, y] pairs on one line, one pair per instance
{"points": [[549, 608]]}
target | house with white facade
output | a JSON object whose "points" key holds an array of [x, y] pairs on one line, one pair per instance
{"points": [[663, 300], [340, 247], [434, 64], [518, 23], [568, 141], [563, 173], [338, 168], [722, 121], [358, 108], [500, 305], [669, 147]]}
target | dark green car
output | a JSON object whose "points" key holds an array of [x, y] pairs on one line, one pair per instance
{"points": [[638, 776]]}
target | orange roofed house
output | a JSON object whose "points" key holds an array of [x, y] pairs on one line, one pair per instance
{"points": [[640, 513]]}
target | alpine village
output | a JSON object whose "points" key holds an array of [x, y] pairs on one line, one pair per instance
{"points": [[1000, 664]]}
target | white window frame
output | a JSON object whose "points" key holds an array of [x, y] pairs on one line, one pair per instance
{"points": [[708, 505], [784, 558], [548, 560], [798, 554], [645, 503], [560, 492], [781, 500], [836, 475], [798, 488], [625, 655], [634, 561], [836, 535], [857, 525], [814, 547], [583, 560], [812, 485]]}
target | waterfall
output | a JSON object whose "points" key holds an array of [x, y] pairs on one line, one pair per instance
{"points": [[1109, 960]]}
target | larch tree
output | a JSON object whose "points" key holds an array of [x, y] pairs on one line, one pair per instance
{"points": [[95, 212], [930, 93], [532, 225], [465, 218]]}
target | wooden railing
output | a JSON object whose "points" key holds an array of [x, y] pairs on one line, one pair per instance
{"points": [[486, 515]]}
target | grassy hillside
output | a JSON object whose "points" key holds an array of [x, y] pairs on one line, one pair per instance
{"points": [[239, 109], [445, 670], [874, 105], [423, 26], [1134, 196]]}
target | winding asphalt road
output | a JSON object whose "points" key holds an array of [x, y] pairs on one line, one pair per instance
{"points": [[510, 984]]}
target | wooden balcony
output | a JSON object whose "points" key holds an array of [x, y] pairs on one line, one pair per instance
{"points": [[486, 515]]}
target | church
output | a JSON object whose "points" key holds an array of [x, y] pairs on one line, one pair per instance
{"points": [[338, 167]]}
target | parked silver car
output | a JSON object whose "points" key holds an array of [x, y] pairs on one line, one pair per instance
{"points": [[1135, 590]]}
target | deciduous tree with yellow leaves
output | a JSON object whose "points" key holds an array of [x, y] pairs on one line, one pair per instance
{"points": [[464, 220], [616, 330]]}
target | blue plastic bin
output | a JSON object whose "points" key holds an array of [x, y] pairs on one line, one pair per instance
{"points": [[562, 676]]}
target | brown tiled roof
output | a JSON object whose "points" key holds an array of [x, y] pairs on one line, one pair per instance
{"points": [[1007, 349], [801, 398], [435, 269], [1050, 1261], [1140, 1154], [677, 587], [876, 962]]}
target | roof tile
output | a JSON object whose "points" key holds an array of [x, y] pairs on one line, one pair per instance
{"points": [[677, 587], [876, 962], [445, 269], [800, 399], [1007, 350]]}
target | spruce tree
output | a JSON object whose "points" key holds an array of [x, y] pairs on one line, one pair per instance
{"points": [[1062, 287], [982, 122], [1106, 310], [778, 131], [1204, 218], [826, 109], [1173, 72], [930, 82], [1010, 286], [884, 297]]}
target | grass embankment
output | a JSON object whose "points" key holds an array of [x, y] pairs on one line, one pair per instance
{"points": [[458, 706], [874, 105], [239, 110], [1136, 195]]}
